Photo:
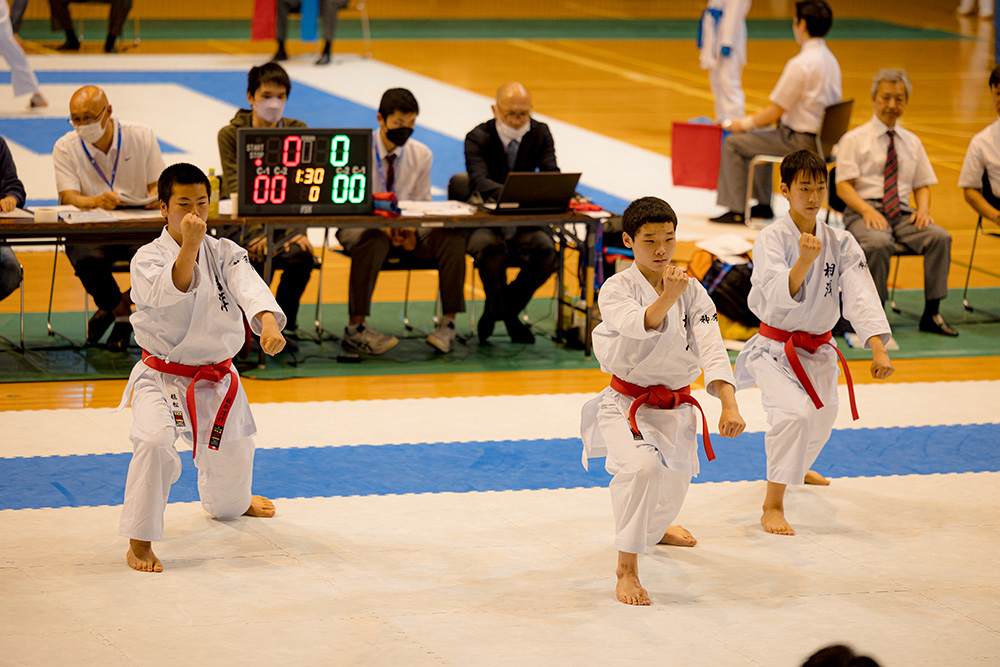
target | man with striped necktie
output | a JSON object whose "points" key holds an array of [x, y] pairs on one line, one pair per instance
{"points": [[879, 164]]}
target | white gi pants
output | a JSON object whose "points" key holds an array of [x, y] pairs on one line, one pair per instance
{"points": [[224, 475], [726, 81], [22, 77], [646, 495], [797, 430]]}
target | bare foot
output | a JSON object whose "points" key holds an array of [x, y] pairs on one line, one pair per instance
{"points": [[813, 477], [773, 521], [630, 591], [260, 506], [678, 536], [140, 557]]}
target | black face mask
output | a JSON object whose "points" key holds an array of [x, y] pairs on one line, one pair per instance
{"points": [[399, 135]]}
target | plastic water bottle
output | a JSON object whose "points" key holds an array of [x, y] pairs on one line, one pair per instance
{"points": [[213, 195]]}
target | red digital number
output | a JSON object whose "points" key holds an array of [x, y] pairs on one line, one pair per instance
{"points": [[260, 193], [292, 160], [278, 197]]}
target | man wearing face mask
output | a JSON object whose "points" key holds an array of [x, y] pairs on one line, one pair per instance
{"points": [[104, 163], [402, 165], [268, 87], [511, 141]]}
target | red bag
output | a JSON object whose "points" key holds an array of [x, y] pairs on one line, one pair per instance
{"points": [[696, 153]]}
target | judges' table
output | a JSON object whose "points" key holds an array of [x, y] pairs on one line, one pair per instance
{"points": [[140, 228]]}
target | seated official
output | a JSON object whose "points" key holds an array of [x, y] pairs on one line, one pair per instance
{"points": [[11, 197], [402, 165], [327, 9], [983, 157], [879, 164], [809, 83], [104, 163], [268, 87], [511, 141], [62, 20]]}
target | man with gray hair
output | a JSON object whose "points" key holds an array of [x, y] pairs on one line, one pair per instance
{"points": [[879, 164]]}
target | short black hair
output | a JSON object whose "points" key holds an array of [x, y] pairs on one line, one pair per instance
{"points": [[397, 99], [267, 73], [995, 77], [838, 655], [818, 16], [803, 162], [181, 173], [646, 209]]}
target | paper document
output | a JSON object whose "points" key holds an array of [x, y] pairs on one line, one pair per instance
{"points": [[728, 248], [442, 208], [17, 214], [93, 215], [130, 201]]}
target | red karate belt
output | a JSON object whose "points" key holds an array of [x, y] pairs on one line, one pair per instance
{"points": [[810, 343], [212, 373], [659, 396]]}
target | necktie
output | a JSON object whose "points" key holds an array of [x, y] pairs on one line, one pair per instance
{"points": [[512, 153], [890, 199], [390, 172]]}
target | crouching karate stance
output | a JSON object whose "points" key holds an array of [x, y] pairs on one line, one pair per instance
{"points": [[659, 328], [801, 267], [190, 292]]}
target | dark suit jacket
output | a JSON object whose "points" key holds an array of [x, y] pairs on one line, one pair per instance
{"points": [[486, 159]]}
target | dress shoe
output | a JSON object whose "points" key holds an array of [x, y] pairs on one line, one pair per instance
{"points": [[936, 324], [69, 45], [519, 332], [109, 45], [762, 211], [485, 327], [120, 335], [324, 59], [729, 218], [280, 56], [98, 324]]}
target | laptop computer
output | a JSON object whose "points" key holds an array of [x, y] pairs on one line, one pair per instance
{"points": [[535, 192]]}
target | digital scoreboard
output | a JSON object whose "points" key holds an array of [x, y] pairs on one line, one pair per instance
{"points": [[304, 171]]}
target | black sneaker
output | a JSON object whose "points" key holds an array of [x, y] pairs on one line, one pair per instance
{"points": [[729, 218], [936, 324]]}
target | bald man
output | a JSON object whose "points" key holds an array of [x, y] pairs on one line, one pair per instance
{"points": [[511, 141], [104, 163]]}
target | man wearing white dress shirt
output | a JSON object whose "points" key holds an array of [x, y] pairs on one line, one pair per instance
{"points": [[104, 163], [809, 83], [879, 164], [401, 165], [983, 157]]}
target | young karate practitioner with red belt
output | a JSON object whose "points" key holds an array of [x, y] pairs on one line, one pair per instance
{"points": [[191, 292], [659, 330], [801, 267]]}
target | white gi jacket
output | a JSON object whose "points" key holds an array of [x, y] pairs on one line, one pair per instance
{"points": [[672, 355], [723, 23], [199, 327], [841, 267]]}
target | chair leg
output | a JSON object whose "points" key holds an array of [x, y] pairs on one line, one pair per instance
{"points": [[318, 321], [746, 204], [366, 30], [52, 289], [406, 303], [21, 267], [968, 272], [892, 293]]}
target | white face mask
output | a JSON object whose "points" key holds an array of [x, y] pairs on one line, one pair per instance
{"points": [[270, 110], [508, 133], [92, 132]]}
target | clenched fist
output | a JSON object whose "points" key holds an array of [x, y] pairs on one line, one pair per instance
{"points": [[193, 230], [271, 340], [675, 282], [809, 248]]}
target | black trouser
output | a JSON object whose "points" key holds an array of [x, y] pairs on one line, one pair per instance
{"points": [[61, 20], [533, 249], [92, 264], [296, 267]]}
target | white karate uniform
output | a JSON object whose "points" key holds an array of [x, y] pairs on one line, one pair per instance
{"points": [[199, 327], [22, 77], [797, 430], [724, 24], [651, 476]]}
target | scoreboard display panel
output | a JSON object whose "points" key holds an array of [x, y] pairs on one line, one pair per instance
{"points": [[304, 171]]}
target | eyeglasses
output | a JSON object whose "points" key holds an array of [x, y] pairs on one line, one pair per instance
{"points": [[512, 116], [86, 120]]}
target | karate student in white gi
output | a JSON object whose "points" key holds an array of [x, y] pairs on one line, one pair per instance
{"points": [[191, 292], [22, 77], [800, 267], [659, 330], [722, 44]]}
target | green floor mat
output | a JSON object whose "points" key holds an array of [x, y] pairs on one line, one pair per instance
{"points": [[494, 29], [52, 358]]}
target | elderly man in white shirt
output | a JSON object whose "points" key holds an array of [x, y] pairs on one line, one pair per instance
{"points": [[104, 163], [879, 164], [809, 83], [982, 160], [403, 167]]}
